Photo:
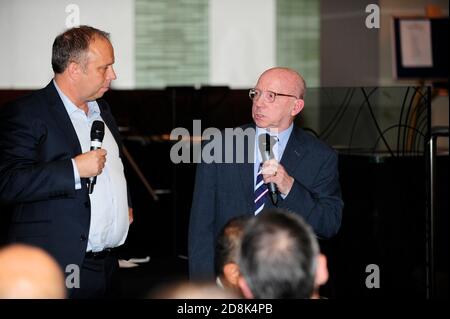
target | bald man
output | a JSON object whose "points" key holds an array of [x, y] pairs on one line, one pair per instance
{"points": [[302, 169], [28, 272]]}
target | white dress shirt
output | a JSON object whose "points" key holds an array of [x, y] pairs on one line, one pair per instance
{"points": [[109, 202]]}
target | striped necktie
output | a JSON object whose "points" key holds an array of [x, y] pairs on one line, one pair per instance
{"points": [[260, 192]]}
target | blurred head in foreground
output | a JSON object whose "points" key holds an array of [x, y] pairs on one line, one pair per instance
{"points": [[227, 251], [28, 272], [192, 290], [280, 258]]}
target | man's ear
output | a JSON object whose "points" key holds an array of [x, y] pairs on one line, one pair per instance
{"points": [[322, 270], [298, 107], [245, 288], [74, 70], [231, 273]]}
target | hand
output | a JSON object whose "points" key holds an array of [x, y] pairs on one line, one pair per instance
{"points": [[91, 163], [274, 172], [130, 215]]}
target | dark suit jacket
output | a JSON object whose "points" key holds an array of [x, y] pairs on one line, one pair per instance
{"points": [[223, 191], [37, 143]]}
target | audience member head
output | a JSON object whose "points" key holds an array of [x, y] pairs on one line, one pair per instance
{"points": [[279, 258], [192, 290], [28, 272], [227, 251]]}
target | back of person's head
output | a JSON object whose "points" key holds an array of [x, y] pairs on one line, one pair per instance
{"points": [[28, 272], [73, 45], [279, 257], [227, 251], [192, 290]]}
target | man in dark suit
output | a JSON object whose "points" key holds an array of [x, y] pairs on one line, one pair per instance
{"points": [[304, 171], [46, 163]]}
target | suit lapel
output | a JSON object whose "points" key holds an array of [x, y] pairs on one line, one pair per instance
{"points": [[246, 173], [62, 118], [295, 150], [109, 121]]}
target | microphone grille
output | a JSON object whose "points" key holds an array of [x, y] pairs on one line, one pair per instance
{"points": [[97, 130]]}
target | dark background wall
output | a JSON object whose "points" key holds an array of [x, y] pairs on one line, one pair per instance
{"points": [[385, 197]]}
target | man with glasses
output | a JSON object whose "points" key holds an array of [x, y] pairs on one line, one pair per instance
{"points": [[301, 176]]}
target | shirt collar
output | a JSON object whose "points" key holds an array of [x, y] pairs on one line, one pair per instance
{"points": [[282, 137], [70, 107]]}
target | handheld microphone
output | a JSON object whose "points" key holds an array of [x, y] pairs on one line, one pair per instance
{"points": [[266, 143], [97, 134]]}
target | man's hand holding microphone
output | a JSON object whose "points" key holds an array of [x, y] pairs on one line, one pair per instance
{"points": [[91, 164]]}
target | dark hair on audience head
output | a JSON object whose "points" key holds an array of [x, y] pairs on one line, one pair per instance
{"points": [[228, 242], [278, 256]]}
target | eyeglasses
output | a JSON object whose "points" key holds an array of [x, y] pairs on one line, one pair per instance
{"points": [[268, 96]]}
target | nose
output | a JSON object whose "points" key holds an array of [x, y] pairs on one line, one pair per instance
{"points": [[259, 101], [111, 74]]}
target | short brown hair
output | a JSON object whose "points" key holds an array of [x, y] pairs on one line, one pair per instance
{"points": [[72, 46]]}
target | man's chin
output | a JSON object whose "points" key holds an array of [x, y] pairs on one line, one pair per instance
{"points": [[93, 98], [102, 91], [262, 124], [98, 95], [259, 122]]}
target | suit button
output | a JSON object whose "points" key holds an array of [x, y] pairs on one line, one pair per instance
{"points": [[83, 237], [87, 204]]}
